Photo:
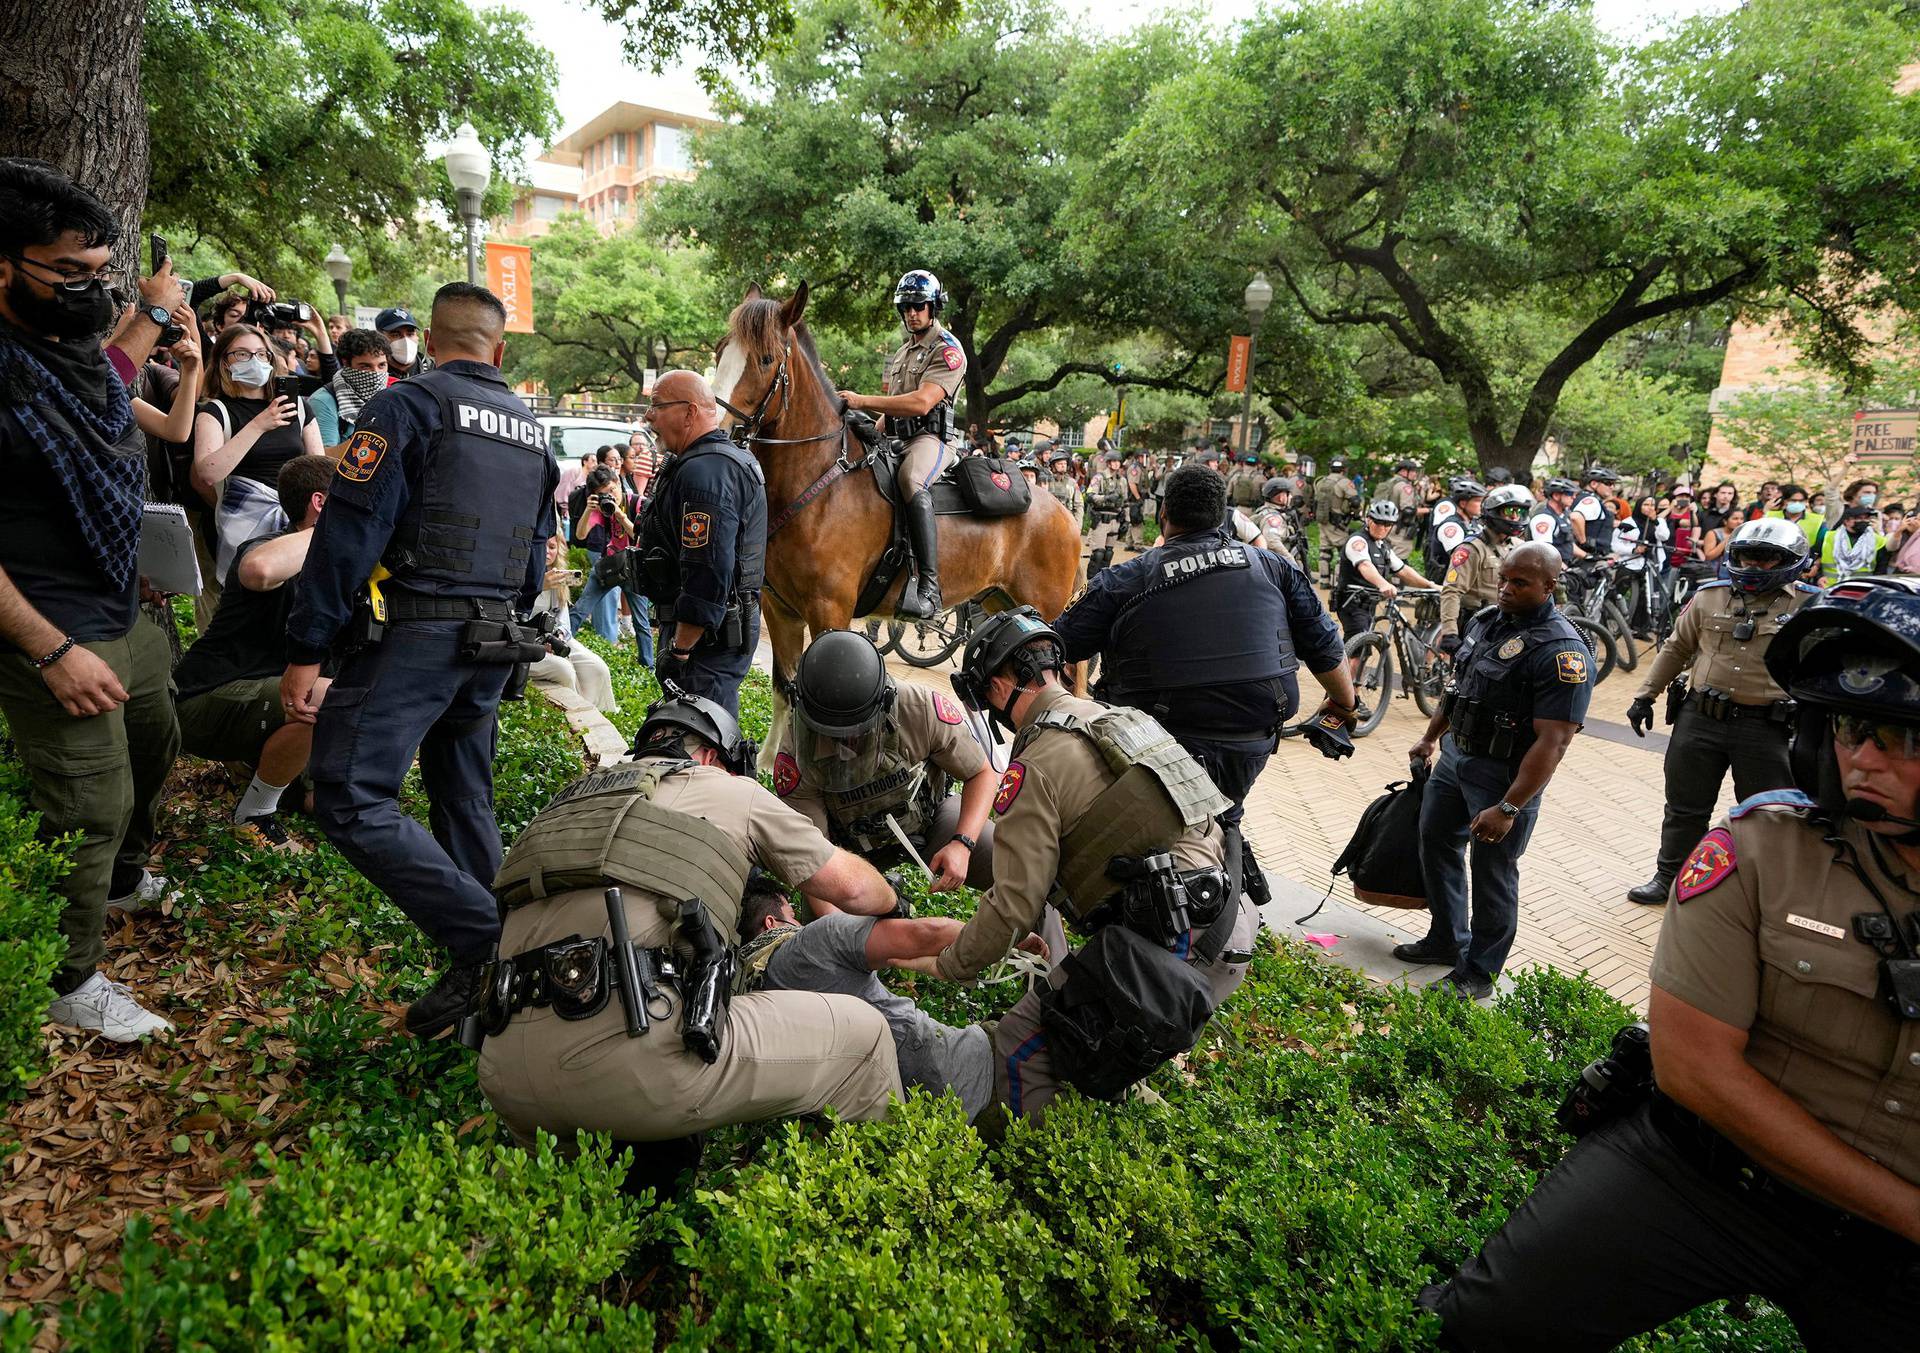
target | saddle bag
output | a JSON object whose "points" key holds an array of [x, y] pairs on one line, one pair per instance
{"points": [[1383, 858], [1127, 1006], [992, 487]]}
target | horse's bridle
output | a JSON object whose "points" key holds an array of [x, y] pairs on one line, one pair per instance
{"points": [[748, 428]]}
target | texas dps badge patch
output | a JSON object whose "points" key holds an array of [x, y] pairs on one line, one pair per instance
{"points": [[1511, 648], [363, 455], [786, 774], [696, 529], [945, 709], [1712, 860], [951, 351], [1000, 480], [1010, 785], [1572, 668]]}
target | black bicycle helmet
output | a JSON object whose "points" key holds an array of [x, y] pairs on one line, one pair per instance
{"points": [[1499, 475], [1566, 486], [1463, 488]]}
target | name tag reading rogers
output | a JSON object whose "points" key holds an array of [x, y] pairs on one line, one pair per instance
{"points": [[1832, 932]]}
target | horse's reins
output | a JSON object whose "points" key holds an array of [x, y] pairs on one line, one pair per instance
{"points": [[748, 431]]}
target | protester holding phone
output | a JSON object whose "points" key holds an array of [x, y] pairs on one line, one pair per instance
{"points": [[254, 423]]}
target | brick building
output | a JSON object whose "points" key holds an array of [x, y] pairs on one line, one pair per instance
{"points": [[604, 169]]}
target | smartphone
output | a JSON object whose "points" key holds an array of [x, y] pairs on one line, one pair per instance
{"points": [[286, 387], [156, 254]]}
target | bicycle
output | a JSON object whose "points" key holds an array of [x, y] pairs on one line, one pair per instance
{"points": [[1423, 667], [928, 643], [1591, 590]]}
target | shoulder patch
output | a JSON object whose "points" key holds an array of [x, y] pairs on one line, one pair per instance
{"points": [[1542, 528], [1712, 860], [365, 451], [946, 710], [1571, 668], [1460, 557], [786, 774], [950, 351], [1773, 798], [696, 529], [1010, 786]]}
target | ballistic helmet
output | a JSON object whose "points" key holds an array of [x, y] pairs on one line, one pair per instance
{"points": [[1765, 554], [1498, 475], [1383, 511], [920, 287], [1404, 464], [1019, 639], [1337, 463], [1273, 488], [1506, 509], [671, 719]]}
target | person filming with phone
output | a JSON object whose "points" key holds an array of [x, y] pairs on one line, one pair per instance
{"points": [[253, 423]]}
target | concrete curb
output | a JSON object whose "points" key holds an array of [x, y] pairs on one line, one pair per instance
{"points": [[601, 741]]}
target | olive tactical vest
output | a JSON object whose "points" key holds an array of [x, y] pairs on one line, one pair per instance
{"points": [[910, 790], [604, 830], [1159, 794]]}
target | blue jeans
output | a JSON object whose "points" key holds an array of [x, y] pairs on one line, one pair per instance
{"points": [[1460, 788], [601, 606]]}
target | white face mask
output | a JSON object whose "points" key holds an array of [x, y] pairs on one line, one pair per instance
{"points": [[254, 371], [1795, 508], [1868, 498], [404, 350]]}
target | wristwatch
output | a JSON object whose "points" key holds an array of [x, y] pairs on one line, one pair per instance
{"points": [[966, 840], [1511, 810], [160, 315]]}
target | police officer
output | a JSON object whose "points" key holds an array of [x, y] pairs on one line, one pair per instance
{"points": [[1592, 517], [862, 748], [1455, 518], [1735, 717], [1244, 482], [1105, 499], [1550, 523], [703, 538], [1522, 680], [1207, 636], [922, 378], [1369, 570], [1065, 488], [684, 820], [1091, 797], [1279, 524], [1499, 475], [1403, 491], [1777, 1154], [1473, 571], [1336, 502], [446, 485]]}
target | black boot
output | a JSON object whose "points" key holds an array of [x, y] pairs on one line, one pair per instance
{"points": [[1426, 951], [1651, 893], [920, 598], [445, 1002], [1098, 562]]}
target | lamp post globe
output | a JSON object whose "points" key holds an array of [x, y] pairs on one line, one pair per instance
{"points": [[660, 352], [340, 268], [1258, 296], [470, 169]]}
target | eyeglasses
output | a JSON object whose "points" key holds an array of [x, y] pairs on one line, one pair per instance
{"points": [[660, 404], [235, 356], [1898, 740], [73, 281]]}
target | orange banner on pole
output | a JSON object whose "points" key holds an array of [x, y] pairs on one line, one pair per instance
{"points": [[1239, 351], [510, 277]]}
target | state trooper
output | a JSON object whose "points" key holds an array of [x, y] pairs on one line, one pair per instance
{"points": [[1403, 491], [703, 542], [1455, 518], [922, 378], [1592, 516], [613, 1011], [1208, 637], [1278, 522], [868, 759], [1522, 680], [1336, 502], [1772, 1150], [1369, 572], [433, 542], [1065, 488], [1550, 523], [1244, 483], [1106, 497], [1473, 571], [1101, 811], [1735, 715]]}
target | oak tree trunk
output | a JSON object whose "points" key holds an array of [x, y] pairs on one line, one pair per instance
{"points": [[70, 95]]}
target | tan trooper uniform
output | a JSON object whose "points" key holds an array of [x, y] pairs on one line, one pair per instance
{"points": [[1404, 494], [1704, 642], [935, 358], [1335, 502], [1107, 497], [780, 1053], [1068, 492], [1056, 777], [1243, 486], [1472, 581], [1276, 532]]}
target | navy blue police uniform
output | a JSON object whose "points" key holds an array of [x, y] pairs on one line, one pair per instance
{"points": [[1207, 635], [1508, 671], [705, 538], [447, 482]]}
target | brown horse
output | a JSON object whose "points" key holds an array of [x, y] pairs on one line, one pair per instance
{"points": [[820, 555]]}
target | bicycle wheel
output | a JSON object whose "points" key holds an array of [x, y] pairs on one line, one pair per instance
{"points": [[927, 643], [1622, 630], [881, 636], [1426, 671], [1373, 683], [1600, 644]]}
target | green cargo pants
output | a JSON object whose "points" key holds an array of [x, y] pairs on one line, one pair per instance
{"points": [[97, 777]]}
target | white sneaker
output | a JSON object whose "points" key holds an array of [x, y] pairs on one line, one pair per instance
{"points": [[146, 894], [107, 1008]]}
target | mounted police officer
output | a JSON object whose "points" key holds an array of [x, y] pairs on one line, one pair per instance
{"points": [[869, 760], [1101, 812], [1473, 571], [1336, 503], [1106, 499], [1403, 491], [1521, 683], [1550, 523], [613, 1011], [433, 542], [1773, 1150], [922, 378], [1207, 636], [703, 540], [1455, 518], [1735, 716]]}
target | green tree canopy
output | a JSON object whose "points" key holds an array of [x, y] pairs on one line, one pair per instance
{"points": [[1401, 165]]}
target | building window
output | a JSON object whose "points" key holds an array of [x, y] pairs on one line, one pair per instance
{"points": [[546, 207], [619, 140], [1072, 435], [671, 147]]}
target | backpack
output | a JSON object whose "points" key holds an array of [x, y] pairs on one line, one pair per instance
{"points": [[1383, 857]]}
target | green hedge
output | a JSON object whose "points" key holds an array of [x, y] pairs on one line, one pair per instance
{"points": [[30, 944]]}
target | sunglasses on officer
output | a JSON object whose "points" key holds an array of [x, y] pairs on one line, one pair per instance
{"points": [[1900, 741]]}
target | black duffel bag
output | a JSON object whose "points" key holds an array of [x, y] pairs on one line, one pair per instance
{"points": [[992, 487], [1383, 858], [1127, 1006]]}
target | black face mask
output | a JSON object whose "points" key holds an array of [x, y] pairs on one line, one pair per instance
{"points": [[64, 314]]}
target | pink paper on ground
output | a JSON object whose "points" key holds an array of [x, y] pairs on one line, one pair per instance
{"points": [[1324, 941]]}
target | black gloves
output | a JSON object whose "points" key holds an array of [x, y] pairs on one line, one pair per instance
{"points": [[1329, 735], [1449, 644], [1640, 715], [670, 667]]}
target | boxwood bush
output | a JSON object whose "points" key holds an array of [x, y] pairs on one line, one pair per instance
{"points": [[31, 945]]}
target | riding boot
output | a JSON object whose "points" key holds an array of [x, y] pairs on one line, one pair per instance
{"points": [[920, 598]]}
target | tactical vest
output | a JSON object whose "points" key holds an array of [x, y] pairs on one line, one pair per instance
{"points": [[660, 524], [1067, 492], [470, 523], [1379, 554], [1493, 681], [1560, 537], [1159, 793], [911, 791], [603, 830], [1204, 616], [1600, 530]]}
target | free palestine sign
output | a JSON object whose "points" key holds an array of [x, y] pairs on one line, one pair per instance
{"points": [[1885, 434]]}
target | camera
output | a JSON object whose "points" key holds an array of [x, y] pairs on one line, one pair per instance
{"points": [[1612, 1086], [277, 314]]}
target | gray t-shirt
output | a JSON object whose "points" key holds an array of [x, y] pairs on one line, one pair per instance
{"points": [[830, 955]]}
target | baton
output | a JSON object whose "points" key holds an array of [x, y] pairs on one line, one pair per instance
{"points": [[632, 998]]}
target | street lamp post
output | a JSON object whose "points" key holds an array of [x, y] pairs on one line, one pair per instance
{"points": [[660, 353], [340, 268], [470, 169], [1259, 295]]}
